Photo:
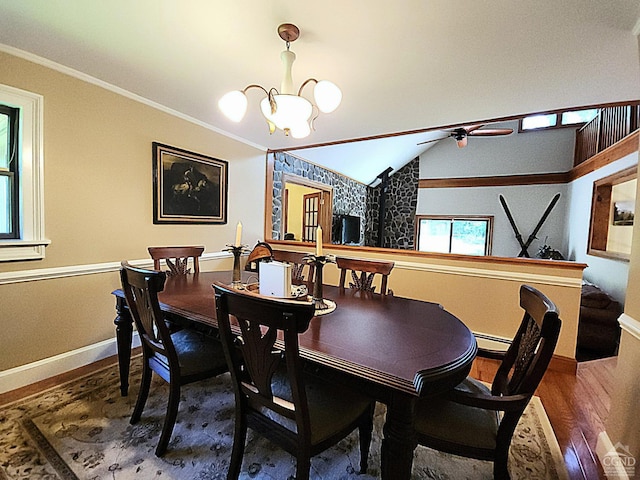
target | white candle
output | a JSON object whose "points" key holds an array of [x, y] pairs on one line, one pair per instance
{"points": [[319, 241], [238, 235]]}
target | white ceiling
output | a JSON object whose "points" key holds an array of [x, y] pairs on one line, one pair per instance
{"points": [[402, 66]]}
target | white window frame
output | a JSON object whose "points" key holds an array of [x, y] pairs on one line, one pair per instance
{"points": [[32, 242], [558, 116]]}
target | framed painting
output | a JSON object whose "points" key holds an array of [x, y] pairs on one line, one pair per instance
{"points": [[188, 188], [623, 212]]}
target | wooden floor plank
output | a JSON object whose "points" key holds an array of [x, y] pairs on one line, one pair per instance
{"points": [[577, 407]]}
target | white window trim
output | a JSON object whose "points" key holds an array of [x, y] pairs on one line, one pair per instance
{"points": [[32, 242]]}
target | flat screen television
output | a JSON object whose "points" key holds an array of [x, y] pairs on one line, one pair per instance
{"points": [[346, 229]]}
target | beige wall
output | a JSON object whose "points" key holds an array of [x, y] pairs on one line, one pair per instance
{"points": [[482, 293], [295, 207], [98, 201], [98, 207], [623, 424]]}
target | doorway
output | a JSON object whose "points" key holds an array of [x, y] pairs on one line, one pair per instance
{"points": [[306, 205]]}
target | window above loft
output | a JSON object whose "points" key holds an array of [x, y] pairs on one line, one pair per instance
{"points": [[566, 118], [461, 235]]}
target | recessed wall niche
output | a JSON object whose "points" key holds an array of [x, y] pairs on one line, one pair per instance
{"points": [[612, 215]]}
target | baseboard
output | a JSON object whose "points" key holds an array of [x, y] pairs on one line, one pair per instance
{"points": [[613, 458], [42, 369], [557, 363], [563, 364]]}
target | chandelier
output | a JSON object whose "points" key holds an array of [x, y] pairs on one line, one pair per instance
{"points": [[290, 112]]}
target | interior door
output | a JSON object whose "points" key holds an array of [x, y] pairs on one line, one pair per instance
{"points": [[310, 216]]}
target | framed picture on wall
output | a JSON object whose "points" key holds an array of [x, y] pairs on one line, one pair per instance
{"points": [[623, 212], [188, 188]]}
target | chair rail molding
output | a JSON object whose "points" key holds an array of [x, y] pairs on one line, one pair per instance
{"points": [[630, 325], [494, 274], [89, 269]]}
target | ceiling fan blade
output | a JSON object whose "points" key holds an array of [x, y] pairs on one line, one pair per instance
{"points": [[491, 132], [434, 140], [463, 129], [473, 128]]}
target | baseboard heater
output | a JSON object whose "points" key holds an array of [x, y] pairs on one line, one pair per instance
{"points": [[490, 342]]}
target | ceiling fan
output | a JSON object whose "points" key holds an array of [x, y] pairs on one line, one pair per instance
{"points": [[461, 134]]}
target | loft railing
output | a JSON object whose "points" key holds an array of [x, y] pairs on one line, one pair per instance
{"points": [[611, 125]]}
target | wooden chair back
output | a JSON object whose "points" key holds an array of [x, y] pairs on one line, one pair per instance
{"points": [[296, 410], [177, 258], [444, 424], [363, 273], [299, 265], [255, 355], [531, 350], [141, 288], [179, 358]]}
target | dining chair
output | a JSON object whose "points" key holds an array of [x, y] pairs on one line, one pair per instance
{"points": [[177, 258], [363, 273], [274, 396], [298, 263], [477, 421], [179, 358]]}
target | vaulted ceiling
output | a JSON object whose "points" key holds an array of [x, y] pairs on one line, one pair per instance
{"points": [[402, 66]]}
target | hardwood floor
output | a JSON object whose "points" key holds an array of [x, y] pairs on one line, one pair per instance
{"points": [[577, 406]]}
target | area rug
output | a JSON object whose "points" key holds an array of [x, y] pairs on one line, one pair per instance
{"points": [[81, 430]]}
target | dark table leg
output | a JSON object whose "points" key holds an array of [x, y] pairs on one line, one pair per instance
{"points": [[124, 330], [399, 438]]}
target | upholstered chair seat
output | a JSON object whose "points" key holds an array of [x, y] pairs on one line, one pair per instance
{"points": [[195, 352], [331, 408], [457, 424]]}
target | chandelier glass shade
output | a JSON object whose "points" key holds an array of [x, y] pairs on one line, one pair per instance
{"points": [[286, 110]]}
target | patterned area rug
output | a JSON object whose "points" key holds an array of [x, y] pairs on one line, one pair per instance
{"points": [[81, 430]]}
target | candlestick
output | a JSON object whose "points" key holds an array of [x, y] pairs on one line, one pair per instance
{"points": [[237, 251], [319, 261], [317, 287], [319, 241], [238, 235]]}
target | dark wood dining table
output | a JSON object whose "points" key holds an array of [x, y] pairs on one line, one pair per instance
{"points": [[395, 349]]}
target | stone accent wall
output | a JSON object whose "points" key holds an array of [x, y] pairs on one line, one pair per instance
{"points": [[349, 196], [400, 214]]}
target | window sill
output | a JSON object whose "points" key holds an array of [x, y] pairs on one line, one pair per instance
{"points": [[17, 250]]}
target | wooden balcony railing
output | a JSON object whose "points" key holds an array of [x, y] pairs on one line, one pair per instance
{"points": [[611, 125]]}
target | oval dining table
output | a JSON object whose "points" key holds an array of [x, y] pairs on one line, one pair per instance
{"points": [[394, 349]]}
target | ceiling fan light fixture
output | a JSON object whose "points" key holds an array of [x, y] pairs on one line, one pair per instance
{"points": [[284, 109]]}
